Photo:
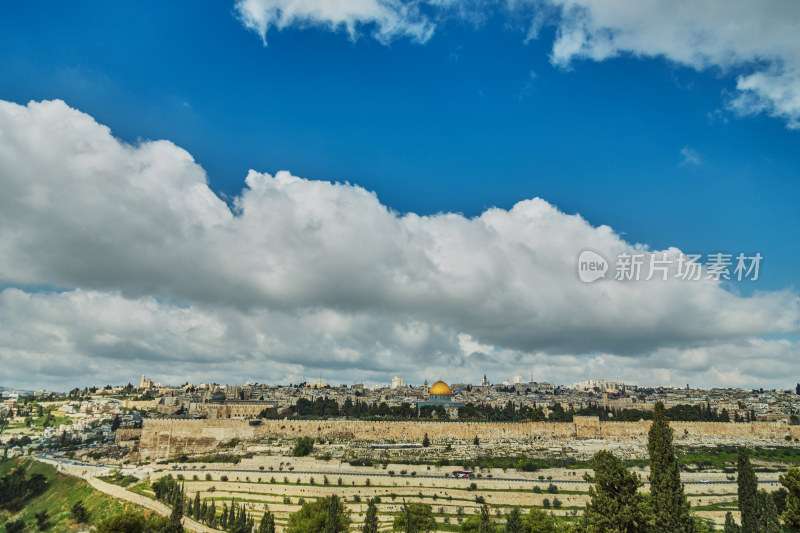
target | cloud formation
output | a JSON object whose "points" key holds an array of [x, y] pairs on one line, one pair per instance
{"points": [[756, 42], [388, 19], [690, 157], [118, 257]]}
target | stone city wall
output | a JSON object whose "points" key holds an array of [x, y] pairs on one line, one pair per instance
{"points": [[169, 438]]}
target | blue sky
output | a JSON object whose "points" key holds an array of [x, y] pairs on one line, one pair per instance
{"points": [[473, 116]]}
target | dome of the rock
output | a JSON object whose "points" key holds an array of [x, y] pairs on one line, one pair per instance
{"points": [[440, 388]]}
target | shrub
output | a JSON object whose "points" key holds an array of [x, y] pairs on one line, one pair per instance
{"points": [[79, 513], [303, 446]]}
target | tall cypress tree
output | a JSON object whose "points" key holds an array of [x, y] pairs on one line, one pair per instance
{"points": [[267, 524], [514, 521], [177, 512], [332, 518], [485, 525], [730, 524], [748, 493], [211, 514], [670, 506], [770, 523], [371, 520], [791, 515]]}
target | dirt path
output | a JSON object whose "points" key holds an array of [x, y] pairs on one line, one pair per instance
{"points": [[123, 494]]}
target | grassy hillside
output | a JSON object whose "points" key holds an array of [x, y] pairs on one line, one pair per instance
{"points": [[61, 494]]}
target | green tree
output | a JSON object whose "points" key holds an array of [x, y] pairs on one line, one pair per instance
{"points": [[131, 522], [371, 519], [426, 441], [538, 521], [313, 517], [415, 518], [670, 506], [177, 510], [303, 446], [332, 518], [485, 524], [791, 516], [211, 514], [615, 504], [124, 523], [730, 524], [79, 513], [770, 522], [748, 493], [267, 524], [42, 520], [514, 521], [196, 507], [480, 522]]}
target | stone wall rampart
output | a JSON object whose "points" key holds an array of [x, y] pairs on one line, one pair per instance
{"points": [[168, 438]]}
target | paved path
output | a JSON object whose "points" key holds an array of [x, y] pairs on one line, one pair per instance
{"points": [[86, 472], [123, 494]]}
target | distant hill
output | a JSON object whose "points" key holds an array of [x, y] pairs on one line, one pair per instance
{"points": [[23, 391]]}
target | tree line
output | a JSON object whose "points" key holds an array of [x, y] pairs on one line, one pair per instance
{"points": [[325, 407]]}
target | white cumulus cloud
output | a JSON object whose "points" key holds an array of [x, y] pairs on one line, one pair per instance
{"points": [[388, 19], [118, 259]]}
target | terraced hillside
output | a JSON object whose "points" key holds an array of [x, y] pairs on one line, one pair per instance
{"points": [[281, 485]]}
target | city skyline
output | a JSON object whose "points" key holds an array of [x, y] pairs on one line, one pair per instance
{"points": [[290, 189]]}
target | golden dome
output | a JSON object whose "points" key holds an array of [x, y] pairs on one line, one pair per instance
{"points": [[440, 388]]}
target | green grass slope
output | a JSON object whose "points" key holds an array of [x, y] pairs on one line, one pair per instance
{"points": [[61, 494]]}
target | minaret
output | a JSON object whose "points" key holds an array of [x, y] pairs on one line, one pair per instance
{"points": [[426, 387], [485, 382]]}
